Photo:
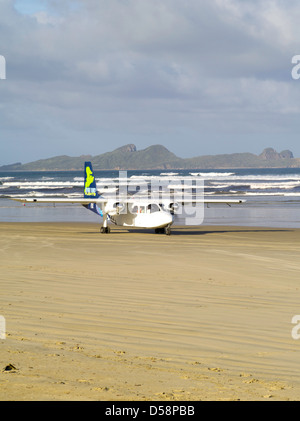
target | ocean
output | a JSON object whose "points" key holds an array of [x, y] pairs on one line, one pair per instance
{"points": [[272, 195]]}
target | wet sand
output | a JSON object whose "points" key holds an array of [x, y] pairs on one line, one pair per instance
{"points": [[203, 314]]}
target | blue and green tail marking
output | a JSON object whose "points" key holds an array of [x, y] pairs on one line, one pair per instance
{"points": [[90, 188]]}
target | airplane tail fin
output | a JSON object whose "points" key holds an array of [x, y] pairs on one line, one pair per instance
{"points": [[90, 188]]}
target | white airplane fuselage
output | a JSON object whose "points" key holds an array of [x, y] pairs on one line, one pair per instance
{"points": [[142, 216]]}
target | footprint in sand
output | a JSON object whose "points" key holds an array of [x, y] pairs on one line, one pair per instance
{"points": [[101, 389], [252, 381], [245, 375], [217, 369]]}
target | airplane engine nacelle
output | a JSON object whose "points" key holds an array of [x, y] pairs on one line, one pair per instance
{"points": [[114, 208], [173, 207]]}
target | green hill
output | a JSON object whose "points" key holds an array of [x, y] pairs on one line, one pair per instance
{"points": [[128, 157], [158, 157]]}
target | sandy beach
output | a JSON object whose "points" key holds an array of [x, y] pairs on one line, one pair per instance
{"points": [[203, 314]]}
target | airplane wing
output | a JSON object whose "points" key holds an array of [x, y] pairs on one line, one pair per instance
{"points": [[92, 196], [100, 200], [81, 201], [230, 201]]}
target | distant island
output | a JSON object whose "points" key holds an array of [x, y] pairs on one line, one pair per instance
{"points": [[158, 157]]}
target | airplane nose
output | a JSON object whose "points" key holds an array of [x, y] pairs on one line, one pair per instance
{"points": [[168, 218]]}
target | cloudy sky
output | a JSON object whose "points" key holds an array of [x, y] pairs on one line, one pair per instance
{"points": [[198, 76]]}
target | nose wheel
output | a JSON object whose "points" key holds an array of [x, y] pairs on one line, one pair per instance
{"points": [[166, 230]]}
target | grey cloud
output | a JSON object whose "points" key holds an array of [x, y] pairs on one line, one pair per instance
{"points": [[149, 68]]}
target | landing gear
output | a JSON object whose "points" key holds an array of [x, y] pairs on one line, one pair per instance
{"points": [[105, 230], [166, 230]]}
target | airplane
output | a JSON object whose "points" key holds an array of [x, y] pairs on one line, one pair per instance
{"points": [[127, 211]]}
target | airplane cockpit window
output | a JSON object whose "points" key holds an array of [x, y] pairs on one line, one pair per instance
{"points": [[153, 208]]}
